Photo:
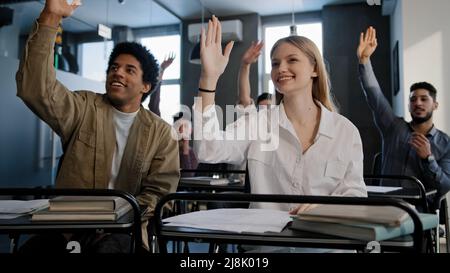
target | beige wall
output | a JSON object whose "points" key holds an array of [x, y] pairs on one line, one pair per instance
{"points": [[426, 51]]}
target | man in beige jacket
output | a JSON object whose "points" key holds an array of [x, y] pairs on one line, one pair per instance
{"points": [[110, 140]]}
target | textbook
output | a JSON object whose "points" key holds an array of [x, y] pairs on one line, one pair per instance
{"points": [[366, 231], [205, 180], [90, 215], [390, 216], [86, 203]]}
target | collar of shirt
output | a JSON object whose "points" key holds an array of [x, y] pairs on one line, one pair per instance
{"points": [[326, 126], [431, 133]]}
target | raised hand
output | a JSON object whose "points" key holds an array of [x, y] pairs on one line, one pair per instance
{"points": [[212, 59], [61, 7], [168, 60], [367, 45], [252, 53], [55, 10]]}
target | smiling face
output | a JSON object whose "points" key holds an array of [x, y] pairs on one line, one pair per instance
{"points": [[292, 70], [421, 105], [124, 83]]}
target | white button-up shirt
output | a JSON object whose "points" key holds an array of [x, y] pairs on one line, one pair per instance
{"points": [[333, 165]]}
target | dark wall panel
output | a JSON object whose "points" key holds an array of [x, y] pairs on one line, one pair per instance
{"points": [[342, 25]]}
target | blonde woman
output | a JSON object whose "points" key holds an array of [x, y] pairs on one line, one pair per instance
{"points": [[313, 150]]}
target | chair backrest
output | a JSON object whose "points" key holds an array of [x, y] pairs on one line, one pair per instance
{"points": [[411, 186], [376, 163]]}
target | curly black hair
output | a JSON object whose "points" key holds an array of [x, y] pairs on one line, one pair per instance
{"points": [[149, 64]]}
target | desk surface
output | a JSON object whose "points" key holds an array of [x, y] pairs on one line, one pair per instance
{"points": [[403, 193], [24, 223]]}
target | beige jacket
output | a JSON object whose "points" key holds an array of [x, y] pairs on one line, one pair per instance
{"points": [[83, 120]]}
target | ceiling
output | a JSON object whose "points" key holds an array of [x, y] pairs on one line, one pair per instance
{"points": [[143, 13]]}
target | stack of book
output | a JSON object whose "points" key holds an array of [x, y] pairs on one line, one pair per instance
{"points": [[83, 208], [366, 223]]}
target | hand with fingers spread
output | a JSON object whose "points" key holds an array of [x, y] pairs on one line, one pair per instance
{"points": [[55, 10], [250, 56], [367, 45], [212, 58], [421, 145], [168, 60], [252, 53], [302, 208]]}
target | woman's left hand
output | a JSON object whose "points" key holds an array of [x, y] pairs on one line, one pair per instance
{"points": [[302, 208]]}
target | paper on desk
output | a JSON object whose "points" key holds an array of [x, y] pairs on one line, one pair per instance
{"points": [[21, 206], [233, 220], [381, 189]]}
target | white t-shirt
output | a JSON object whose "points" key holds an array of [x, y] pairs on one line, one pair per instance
{"points": [[122, 124]]}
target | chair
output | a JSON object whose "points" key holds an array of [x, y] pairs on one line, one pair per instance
{"points": [[376, 163], [445, 218], [416, 195]]}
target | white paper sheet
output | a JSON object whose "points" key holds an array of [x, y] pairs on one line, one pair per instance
{"points": [[381, 189], [21, 206], [233, 220]]}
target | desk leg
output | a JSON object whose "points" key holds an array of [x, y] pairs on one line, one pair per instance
{"points": [[162, 245], [437, 241], [13, 243]]}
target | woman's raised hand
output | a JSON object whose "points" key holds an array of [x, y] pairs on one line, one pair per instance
{"points": [[212, 59]]}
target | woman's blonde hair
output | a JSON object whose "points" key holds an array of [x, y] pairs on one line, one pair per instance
{"points": [[321, 84]]}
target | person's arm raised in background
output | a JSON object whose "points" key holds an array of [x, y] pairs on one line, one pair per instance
{"points": [[382, 110], [250, 56], [155, 97], [213, 61]]}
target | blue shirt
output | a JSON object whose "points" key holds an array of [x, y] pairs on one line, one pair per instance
{"points": [[398, 156]]}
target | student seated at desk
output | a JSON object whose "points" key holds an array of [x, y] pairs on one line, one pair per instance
{"points": [[300, 147], [188, 159], [415, 148], [109, 140]]}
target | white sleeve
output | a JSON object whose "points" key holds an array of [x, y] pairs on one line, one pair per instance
{"points": [[213, 145]]}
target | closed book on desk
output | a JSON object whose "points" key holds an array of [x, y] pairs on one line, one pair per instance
{"points": [[365, 231], [385, 215], [90, 215], [205, 180], [86, 203]]}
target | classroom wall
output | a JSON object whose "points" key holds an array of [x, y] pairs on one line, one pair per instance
{"points": [[426, 57], [342, 25], [9, 39], [25, 140], [397, 35]]}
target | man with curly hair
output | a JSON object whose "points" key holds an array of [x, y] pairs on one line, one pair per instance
{"points": [[109, 140]]}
